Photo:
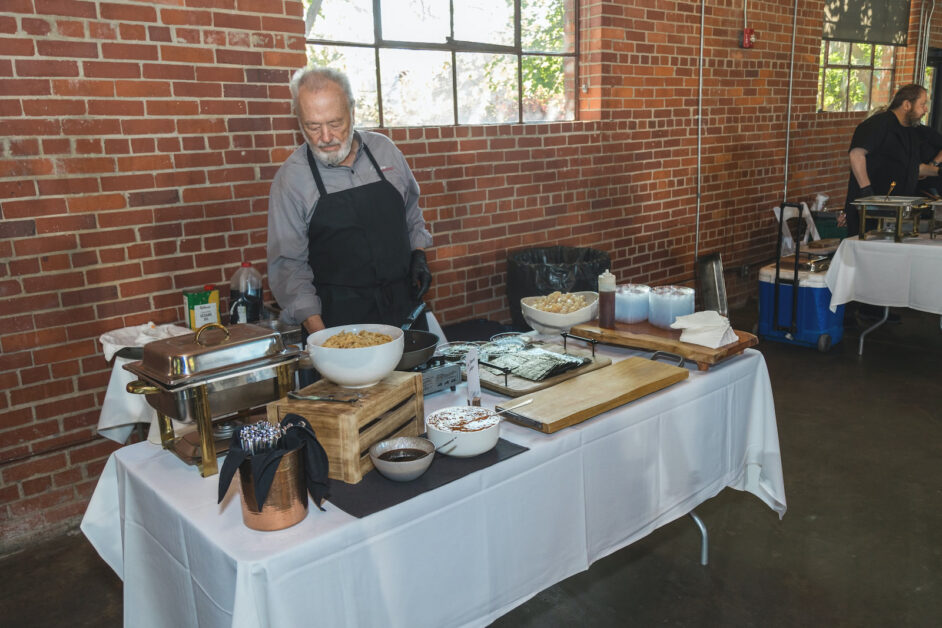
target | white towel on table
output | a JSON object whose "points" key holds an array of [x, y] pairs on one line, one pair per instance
{"points": [[137, 336], [708, 329]]}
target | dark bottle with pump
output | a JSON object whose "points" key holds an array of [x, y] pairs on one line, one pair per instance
{"points": [[245, 295]]}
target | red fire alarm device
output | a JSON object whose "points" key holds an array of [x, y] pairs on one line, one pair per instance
{"points": [[747, 38]]}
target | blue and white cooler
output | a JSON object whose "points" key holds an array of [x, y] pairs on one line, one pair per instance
{"points": [[815, 324]]}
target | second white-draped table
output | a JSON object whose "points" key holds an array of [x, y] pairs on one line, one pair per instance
{"points": [[889, 274]]}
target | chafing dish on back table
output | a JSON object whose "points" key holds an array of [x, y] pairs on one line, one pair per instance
{"points": [[898, 208], [216, 372]]}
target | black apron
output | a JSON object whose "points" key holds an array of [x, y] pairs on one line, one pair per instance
{"points": [[359, 250]]}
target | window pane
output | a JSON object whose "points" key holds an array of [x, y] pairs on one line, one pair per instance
{"points": [[485, 21], [860, 54], [929, 83], [416, 20], [341, 20], [835, 88], [487, 88], [416, 87], [882, 82], [883, 56], [546, 25], [858, 91], [544, 94], [838, 53], [359, 66]]}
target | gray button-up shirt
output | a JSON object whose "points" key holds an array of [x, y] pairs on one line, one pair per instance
{"points": [[293, 200]]}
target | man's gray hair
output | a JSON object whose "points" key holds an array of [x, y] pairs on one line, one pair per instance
{"points": [[315, 78]]}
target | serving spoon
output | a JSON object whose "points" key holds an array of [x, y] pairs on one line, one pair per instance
{"points": [[519, 405], [352, 398]]}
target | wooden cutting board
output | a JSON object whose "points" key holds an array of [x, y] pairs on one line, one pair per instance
{"points": [[591, 394], [644, 335], [515, 386]]}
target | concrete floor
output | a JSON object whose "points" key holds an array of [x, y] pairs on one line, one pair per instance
{"points": [[860, 545]]}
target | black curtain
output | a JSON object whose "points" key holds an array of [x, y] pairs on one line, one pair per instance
{"points": [[867, 21]]}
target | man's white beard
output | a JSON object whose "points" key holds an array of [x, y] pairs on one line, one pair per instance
{"points": [[332, 158]]}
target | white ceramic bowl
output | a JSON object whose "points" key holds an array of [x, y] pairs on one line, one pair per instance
{"points": [[471, 430], [356, 368], [402, 470], [554, 323]]}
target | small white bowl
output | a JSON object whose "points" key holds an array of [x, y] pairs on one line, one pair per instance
{"points": [[548, 323], [450, 433], [360, 367], [402, 470]]}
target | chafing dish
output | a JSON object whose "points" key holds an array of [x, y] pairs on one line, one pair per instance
{"points": [[896, 208], [807, 261], [935, 221], [216, 372]]}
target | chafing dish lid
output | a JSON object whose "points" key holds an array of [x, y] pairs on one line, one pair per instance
{"points": [[211, 351], [889, 201]]}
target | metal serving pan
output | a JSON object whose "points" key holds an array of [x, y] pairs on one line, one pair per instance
{"points": [[240, 367]]}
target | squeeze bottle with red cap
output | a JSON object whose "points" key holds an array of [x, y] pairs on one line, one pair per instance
{"points": [[607, 300]]}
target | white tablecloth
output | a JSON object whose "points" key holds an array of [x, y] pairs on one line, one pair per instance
{"points": [[462, 554], [121, 411], [884, 272]]}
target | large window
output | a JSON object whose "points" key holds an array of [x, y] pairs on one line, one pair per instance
{"points": [[855, 76], [929, 83], [440, 62]]}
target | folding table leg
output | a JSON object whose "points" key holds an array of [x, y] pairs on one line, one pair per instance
{"points": [[886, 315], [704, 544]]}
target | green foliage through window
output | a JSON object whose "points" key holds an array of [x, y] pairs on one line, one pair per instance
{"points": [[424, 62], [854, 76]]}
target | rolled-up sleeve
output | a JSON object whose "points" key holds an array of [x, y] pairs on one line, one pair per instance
{"points": [[289, 274]]}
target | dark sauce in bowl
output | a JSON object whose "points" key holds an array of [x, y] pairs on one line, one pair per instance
{"points": [[402, 455]]}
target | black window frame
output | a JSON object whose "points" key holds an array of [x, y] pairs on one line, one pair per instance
{"points": [[847, 68], [454, 47]]}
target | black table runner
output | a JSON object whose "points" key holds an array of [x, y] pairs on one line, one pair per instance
{"points": [[375, 492]]}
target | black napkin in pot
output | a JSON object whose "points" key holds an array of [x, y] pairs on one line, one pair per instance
{"points": [[298, 435]]}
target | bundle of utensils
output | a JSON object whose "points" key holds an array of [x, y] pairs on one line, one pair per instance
{"points": [[260, 437], [260, 447]]}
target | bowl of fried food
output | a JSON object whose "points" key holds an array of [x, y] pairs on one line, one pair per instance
{"points": [[356, 356], [557, 312]]}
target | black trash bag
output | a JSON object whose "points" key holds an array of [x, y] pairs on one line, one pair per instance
{"points": [[540, 271]]}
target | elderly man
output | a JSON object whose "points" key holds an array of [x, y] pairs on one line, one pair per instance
{"points": [[346, 236], [885, 148]]}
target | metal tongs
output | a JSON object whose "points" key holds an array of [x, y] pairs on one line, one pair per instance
{"points": [[351, 398]]}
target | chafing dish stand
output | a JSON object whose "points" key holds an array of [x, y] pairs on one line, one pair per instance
{"points": [[896, 208], [194, 381]]}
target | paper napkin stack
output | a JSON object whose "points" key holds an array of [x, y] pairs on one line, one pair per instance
{"points": [[707, 329]]}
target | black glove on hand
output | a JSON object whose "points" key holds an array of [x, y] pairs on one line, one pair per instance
{"points": [[419, 275], [867, 191]]}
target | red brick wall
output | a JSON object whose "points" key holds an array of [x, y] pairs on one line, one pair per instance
{"points": [[139, 140]]}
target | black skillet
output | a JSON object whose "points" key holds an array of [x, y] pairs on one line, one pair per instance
{"points": [[418, 345]]}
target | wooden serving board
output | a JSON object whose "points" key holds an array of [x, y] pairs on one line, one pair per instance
{"points": [[517, 386], [644, 335], [591, 394]]}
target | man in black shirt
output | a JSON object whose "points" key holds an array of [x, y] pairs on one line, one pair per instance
{"points": [[886, 149]]}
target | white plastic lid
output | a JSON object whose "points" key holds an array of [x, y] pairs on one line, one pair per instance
{"points": [[606, 282]]}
